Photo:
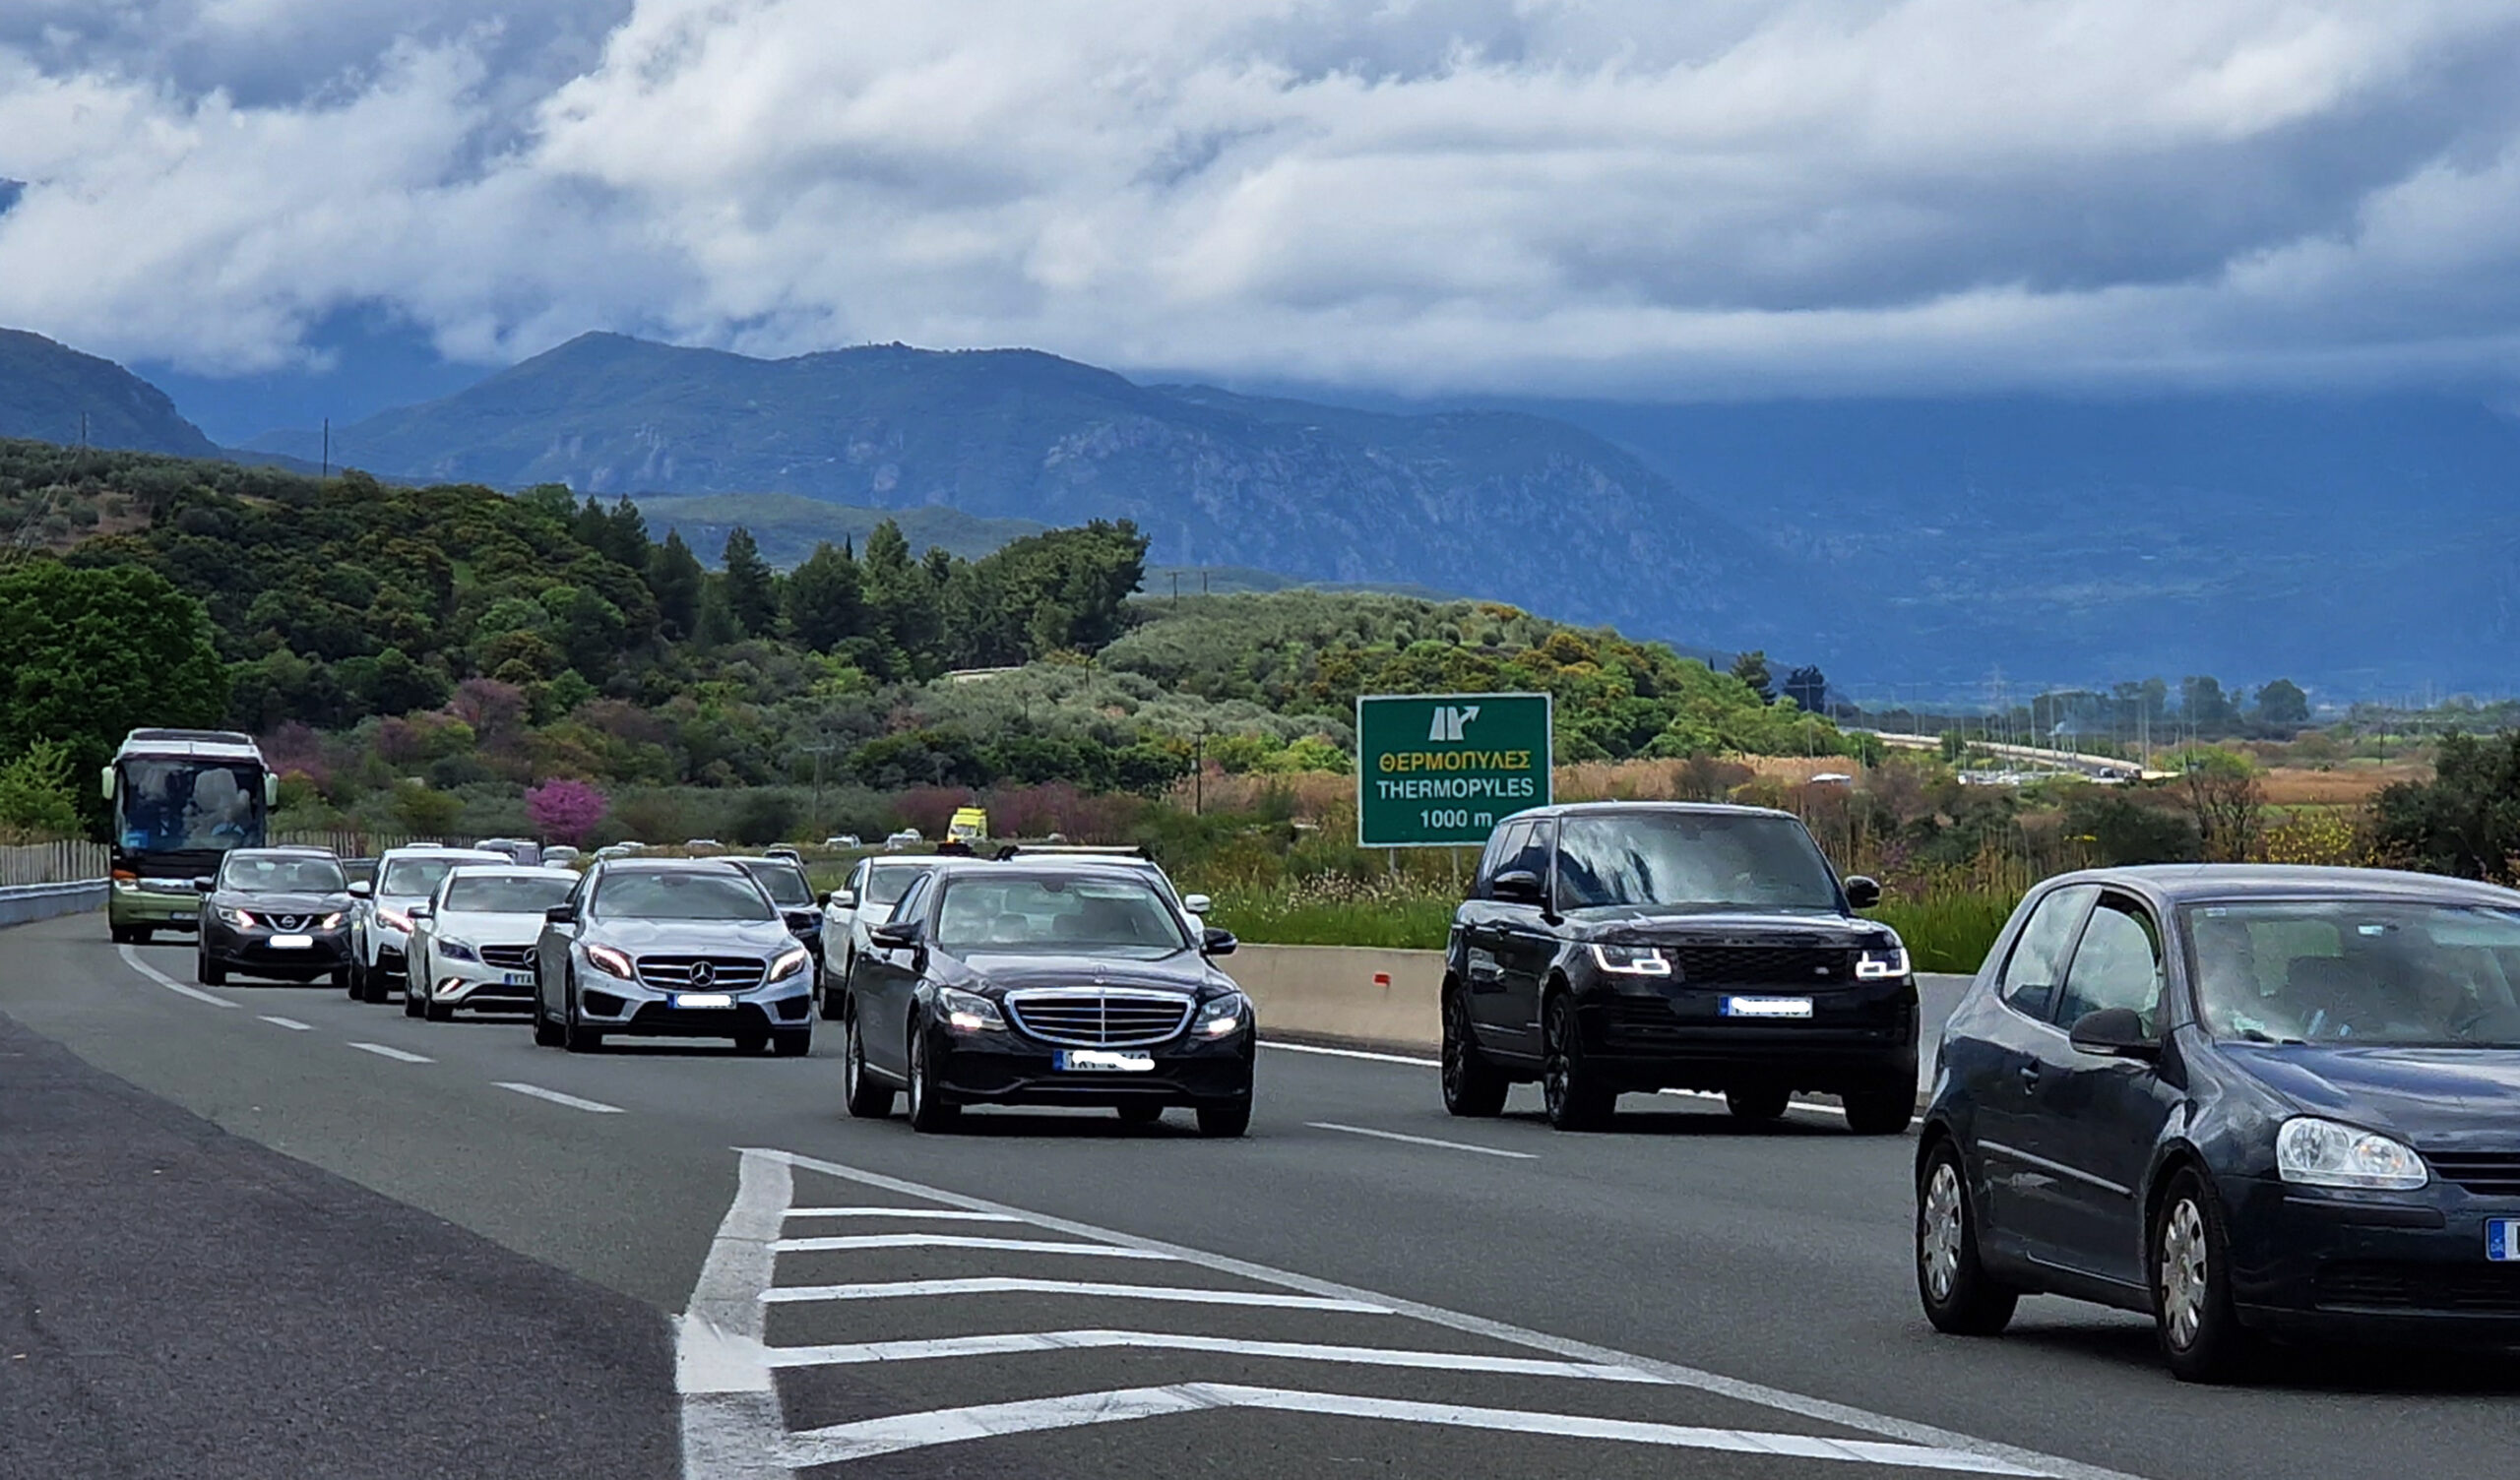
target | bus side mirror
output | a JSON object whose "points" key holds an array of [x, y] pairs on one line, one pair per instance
{"points": [[270, 789], [105, 783]]}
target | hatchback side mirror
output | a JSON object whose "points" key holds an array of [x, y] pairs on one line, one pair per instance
{"points": [[2114, 1033], [1863, 892], [561, 915], [1215, 942], [363, 890], [1521, 886]]}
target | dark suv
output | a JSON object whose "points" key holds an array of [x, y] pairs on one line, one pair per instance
{"points": [[1621, 946]]}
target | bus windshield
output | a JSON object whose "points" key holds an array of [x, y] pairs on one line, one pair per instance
{"points": [[173, 805]]}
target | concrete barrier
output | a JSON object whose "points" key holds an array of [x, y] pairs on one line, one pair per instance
{"points": [[25, 904]]}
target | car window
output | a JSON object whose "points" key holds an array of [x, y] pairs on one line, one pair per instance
{"points": [[1101, 917], [1503, 850], [683, 896], [1528, 852], [2386, 972], [2038, 962], [505, 895], [1707, 860], [886, 885], [416, 877], [784, 882], [265, 874], [2117, 964]]}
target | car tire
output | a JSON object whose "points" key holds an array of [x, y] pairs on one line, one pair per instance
{"points": [[2198, 1327], [1140, 1113], [1764, 1102], [372, 985], [342, 980], [357, 985], [576, 1036], [867, 1099], [1880, 1109], [929, 1111], [209, 973], [121, 936], [1571, 1091], [430, 1008], [1225, 1122], [415, 1003], [831, 1004], [792, 1042], [1473, 1087], [749, 1044], [1960, 1297], [547, 1034]]}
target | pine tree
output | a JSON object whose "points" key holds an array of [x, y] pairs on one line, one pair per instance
{"points": [[751, 586]]}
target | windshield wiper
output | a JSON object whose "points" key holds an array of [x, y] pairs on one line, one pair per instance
{"points": [[2252, 1035]]}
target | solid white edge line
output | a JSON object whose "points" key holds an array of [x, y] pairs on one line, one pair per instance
{"points": [[1421, 1141], [838, 1243], [131, 959], [1351, 1053], [389, 1051], [864, 1352], [291, 1023], [1806, 1405], [901, 1289], [537, 1092]]}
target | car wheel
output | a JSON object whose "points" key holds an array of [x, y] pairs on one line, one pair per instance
{"points": [[749, 1044], [547, 1034], [416, 1003], [356, 986], [1573, 1092], [1960, 1297], [929, 1110], [792, 1042], [576, 1036], [828, 1001], [1225, 1122], [372, 985], [1880, 1109], [342, 980], [1141, 1112], [1473, 1087], [208, 972], [1765, 1102], [867, 1099], [2200, 1331]]}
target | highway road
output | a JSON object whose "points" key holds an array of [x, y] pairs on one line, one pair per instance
{"points": [[667, 1259]]}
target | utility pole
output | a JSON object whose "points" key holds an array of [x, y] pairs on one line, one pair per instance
{"points": [[328, 446]]}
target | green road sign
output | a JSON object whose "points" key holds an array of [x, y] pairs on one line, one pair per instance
{"points": [[1438, 770]]}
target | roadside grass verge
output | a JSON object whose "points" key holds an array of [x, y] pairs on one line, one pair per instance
{"points": [[1948, 930], [1307, 916]]}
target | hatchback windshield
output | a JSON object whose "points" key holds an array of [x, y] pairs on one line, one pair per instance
{"points": [[509, 895], [263, 874], [683, 896], [1063, 916], [1692, 860], [786, 882], [417, 878], [2383, 972]]}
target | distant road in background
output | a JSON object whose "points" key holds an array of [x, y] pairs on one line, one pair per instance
{"points": [[2106, 767]]}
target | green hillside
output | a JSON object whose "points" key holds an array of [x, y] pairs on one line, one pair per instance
{"points": [[46, 388]]}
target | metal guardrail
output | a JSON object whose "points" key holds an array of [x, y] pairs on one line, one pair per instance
{"points": [[25, 904]]}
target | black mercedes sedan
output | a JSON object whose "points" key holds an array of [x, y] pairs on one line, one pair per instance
{"points": [[2245, 1101], [279, 913], [1063, 983], [1610, 947]]}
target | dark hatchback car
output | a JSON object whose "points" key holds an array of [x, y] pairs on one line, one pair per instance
{"points": [[279, 913], [1046, 984], [1618, 947], [2245, 1101]]}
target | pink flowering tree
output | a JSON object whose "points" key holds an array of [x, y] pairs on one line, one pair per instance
{"points": [[564, 811]]}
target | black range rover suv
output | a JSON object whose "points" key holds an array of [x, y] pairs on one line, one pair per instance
{"points": [[1619, 947]]}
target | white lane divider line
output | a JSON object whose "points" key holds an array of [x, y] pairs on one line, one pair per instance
{"points": [[733, 1426], [290, 1024], [940, 1214], [131, 959], [904, 1289], [837, 1244], [596, 1107], [858, 1353], [388, 1050], [868, 1438], [1421, 1141], [1351, 1053]]}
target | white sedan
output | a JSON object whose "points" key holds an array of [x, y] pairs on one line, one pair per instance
{"points": [[473, 942]]}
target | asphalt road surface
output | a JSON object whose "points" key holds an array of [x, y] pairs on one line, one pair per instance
{"points": [[725, 1275]]}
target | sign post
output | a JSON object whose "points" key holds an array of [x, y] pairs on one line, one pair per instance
{"points": [[1439, 771]]}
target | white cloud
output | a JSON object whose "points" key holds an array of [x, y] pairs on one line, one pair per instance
{"points": [[1617, 195]]}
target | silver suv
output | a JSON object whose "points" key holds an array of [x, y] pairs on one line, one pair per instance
{"points": [[671, 947]]}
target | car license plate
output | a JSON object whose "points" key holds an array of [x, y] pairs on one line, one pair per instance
{"points": [[1767, 1007], [703, 999], [519, 979], [292, 943], [2503, 1240], [1104, 1060]]}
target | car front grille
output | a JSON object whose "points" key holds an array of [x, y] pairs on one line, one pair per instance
{"points": [[725, 973], [507, 958], [285, 923], [1763, 965], [2487, 1174], [2375, 1284], [1099, 1016]]}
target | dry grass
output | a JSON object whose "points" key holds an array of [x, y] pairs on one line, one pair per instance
{"points": [[2345, 786]]}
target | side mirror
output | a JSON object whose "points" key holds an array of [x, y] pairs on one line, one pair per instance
{"points": [[205, 885], [1863, 892], [1215, 942], [801, 920], [1198, 905], [2114, 1033], [841, 899], [1521, 886], [421, 911], [105, 781], [363, 890], [899, 934], [561, 915]]}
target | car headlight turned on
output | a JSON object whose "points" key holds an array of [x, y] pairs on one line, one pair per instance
{"points": [[242, 919], [1881, 964], [611, 962], [394, 919], [969, 1012], [2316, 1153], [1222, 1016], [789, 962], [333, 922], [456, 950], [1632, 961]]}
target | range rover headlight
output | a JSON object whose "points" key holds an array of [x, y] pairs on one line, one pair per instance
{"points": [[2319, 1153], [1632, 961], [1881, 964]]}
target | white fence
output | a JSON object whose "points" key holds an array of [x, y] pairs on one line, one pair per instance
{"points": [[52, 863]]}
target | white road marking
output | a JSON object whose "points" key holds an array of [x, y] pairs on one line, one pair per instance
{"points": [[1421, 1141], [940, 1214], [1927, 1437], [733, 1427], [388, 1050], [902, 1289], [1302, 1351], [131, 959], [956, 1241], [596, 1107], [291, 1023], [1351, 1053], [872, 1437]]}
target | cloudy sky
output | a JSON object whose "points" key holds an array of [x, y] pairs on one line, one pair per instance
{"points": [[1632, 197]]}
